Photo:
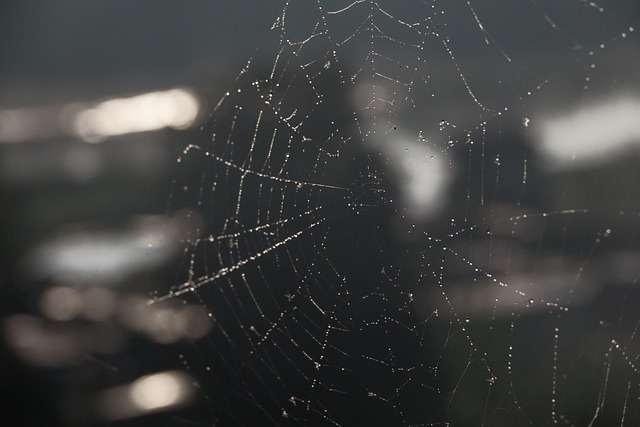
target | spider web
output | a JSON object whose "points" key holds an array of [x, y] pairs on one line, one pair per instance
{"points": [[379, 242]]}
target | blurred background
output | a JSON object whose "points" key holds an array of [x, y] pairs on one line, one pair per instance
{"points": [[99, 99]]}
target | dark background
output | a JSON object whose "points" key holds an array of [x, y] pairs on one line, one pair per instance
{"points": [[77, 51]]}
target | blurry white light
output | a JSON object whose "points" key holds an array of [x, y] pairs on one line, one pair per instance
{"points": [[158, 391], [592, 134], [149, 394], [176, 108], [422, 176], [61, 303], [93, 122], [101, 257], [165, 323], [425, 179]]}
